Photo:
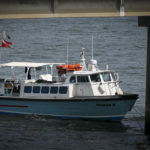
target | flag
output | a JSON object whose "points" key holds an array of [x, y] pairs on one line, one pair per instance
{"points": [[10, 43], [5, 36], [5, 44]]}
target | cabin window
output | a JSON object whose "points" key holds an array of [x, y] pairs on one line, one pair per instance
{"points": [[106, 76], [54, 90], [114, 76], [27, 89], [36, 89], [45, 90], [83, 79], [95, 78], [63, 90], [73, 79], [8, 91]]}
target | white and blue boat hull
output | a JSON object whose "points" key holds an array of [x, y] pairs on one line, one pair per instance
{"points": [[95, 108]]}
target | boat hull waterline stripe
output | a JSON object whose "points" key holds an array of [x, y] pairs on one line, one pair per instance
{"points": [[112, 117], [24, 106]]}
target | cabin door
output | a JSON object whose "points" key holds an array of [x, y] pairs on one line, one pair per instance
{"points": [[79, 90], [83, 89]]}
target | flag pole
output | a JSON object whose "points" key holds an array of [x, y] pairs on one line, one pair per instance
{"points": [[67, 50], [4, 43]]}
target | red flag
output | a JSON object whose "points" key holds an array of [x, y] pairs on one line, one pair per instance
{"points": [[5, 44], [10, 43]]}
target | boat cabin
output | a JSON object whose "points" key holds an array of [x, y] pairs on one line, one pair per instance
{"points": [[72, 80]]}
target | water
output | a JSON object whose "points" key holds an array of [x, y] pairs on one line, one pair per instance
{"points": [[118, 42]]}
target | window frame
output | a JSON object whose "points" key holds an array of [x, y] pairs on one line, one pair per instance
{"points": [[103, 76], [81, 79], [29, 90], [62, 91], [52, 89], [48, 91], [36, 92], [114, 76], [96, 79], [75, 79]]}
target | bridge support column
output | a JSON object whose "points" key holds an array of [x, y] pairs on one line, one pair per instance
{"points": [[147, 105], [145, 21]]}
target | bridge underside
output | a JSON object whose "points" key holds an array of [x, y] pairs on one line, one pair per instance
{"points": [[73, 8]]}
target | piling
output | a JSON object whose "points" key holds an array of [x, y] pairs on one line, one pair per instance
{"points": [[145, 21]]}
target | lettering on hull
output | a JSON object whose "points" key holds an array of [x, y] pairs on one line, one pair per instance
{"points": [[109, 105]]}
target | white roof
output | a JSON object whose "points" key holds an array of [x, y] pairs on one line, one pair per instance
{"points": [[27, 64], [90, 72]]}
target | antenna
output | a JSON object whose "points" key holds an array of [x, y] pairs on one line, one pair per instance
{"points": [[67, 49], [92, 46]]}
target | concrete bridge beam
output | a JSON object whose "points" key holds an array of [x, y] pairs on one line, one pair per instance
{"points": [[72, 8]]}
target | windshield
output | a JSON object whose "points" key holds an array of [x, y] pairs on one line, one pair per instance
{"points": [[95, 78], [106, 76], [114, 76]]}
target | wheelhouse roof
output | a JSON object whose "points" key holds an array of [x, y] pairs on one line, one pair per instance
{"points": [[27, 64], [90, 72]]}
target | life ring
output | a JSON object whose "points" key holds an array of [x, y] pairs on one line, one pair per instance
{"points": [[8, 85], [70, 67]]}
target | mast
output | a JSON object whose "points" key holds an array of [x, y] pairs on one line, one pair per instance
{"points": [[83, 64], [93, 63], [67, 49], [92, 47]]}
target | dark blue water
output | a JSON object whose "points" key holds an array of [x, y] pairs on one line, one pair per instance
{"points": [[118, 42]]}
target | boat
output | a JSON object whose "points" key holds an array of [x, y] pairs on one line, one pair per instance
{"points": [[72, 91]]}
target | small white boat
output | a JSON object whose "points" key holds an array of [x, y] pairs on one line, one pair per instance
{"points": [[77, 92]]}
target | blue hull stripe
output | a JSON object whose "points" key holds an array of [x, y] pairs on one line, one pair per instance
{"points": [[115, 117]]}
